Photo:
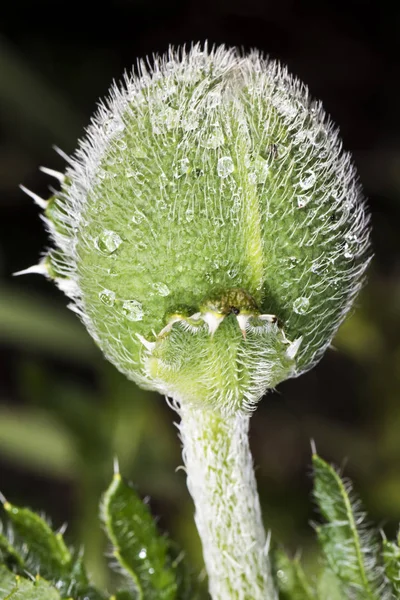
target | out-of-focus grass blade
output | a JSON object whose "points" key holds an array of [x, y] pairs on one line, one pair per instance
{"points": [[37, 441], [29, 97], [139, 548], [33, 322], [349, 546]]}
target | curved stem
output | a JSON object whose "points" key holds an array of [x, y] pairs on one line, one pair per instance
{"points": [[221, 480]]}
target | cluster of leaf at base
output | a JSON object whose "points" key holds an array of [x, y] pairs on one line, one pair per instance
{"points": [[356, 564], [36, 564]]}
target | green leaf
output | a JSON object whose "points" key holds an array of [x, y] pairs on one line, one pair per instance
{"points": [[329, 587], [349, 546], [291, 579], [47, 552], [79, 583], [8, 554], [138, 547], [187, 588], [8, 581], [24, 589], [391, 559]]}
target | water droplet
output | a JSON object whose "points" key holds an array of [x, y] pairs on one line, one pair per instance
{"points": [[214, 140], [302, 200], [218, 222], [181, 168], [213, 99], [133, 310], [190, 123], [293, 261], [232, 272], [262, 169], [320, 138], [225, 166], [137, 217], [108, 241], [171, 118], [347, 252], [189, 214], [107, 297], [316, 267], [168, 91], [170, 66], [284, 105], [114, 126], [236, 203], [143, 553], [253, 177], [301, 305], [161, 288], [121, 144], [307, 180], [351, 237]]}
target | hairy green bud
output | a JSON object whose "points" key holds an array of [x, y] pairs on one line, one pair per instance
{"points": [[210, 230]]}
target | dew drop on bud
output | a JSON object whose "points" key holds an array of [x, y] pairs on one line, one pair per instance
{"points": [[308, 179], [108, 241], [301, 305], [189, 214], [181, 168], [261, 168], [133, 310], [107, 297], [161, 288], [225, 166], [137, 217], [302, 200], [214, 140], [347, 252]]}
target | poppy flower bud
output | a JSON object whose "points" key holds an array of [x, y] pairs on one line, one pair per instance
{"points": [[210, 230]]}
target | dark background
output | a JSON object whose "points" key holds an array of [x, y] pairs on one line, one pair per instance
{"points": [[64, 412]]}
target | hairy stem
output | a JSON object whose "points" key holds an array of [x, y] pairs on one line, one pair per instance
{"points": [[221, 481]]}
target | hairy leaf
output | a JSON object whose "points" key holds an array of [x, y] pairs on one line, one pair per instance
{"points": [[391, 558], [350, 547], [8, 581], [138, 547], [47, 549], [45, 554], [14, 587], [329, 587], [8, 554]]}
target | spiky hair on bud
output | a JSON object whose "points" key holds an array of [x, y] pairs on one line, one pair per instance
{"points": [[211, 185]]}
